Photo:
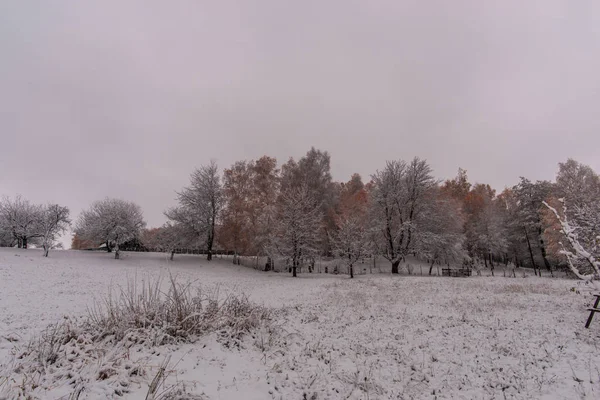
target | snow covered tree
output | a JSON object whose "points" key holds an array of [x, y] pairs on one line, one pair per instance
{"points": [[458, 187], [590, 269], [442, 237], [401, 196], [297, 227], [351, 240], [110, 221], [200, 205], [313, 171], [579, 187], [20, 219], [168, 238], [527, 218], [238, 214], [486, 226], [491, 232], [263, 203], [6, 237], [578, 184], [53, 222]]}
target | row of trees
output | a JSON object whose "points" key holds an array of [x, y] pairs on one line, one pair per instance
{"points": [[296, 211], [23, 224]]}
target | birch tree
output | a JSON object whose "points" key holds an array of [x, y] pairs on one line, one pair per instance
{"points": [[577, 251], [238, 215]]}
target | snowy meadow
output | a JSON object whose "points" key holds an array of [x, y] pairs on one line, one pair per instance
{"points": [[320, 336]]}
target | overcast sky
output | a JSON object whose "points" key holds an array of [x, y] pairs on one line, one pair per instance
{"points": [[124, 98]]}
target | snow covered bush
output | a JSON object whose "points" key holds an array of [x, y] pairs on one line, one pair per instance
{"points": [[147, 315]]}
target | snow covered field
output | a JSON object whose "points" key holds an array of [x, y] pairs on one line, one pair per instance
{"points": [[374, 337]]}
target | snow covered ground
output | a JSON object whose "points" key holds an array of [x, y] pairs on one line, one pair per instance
{"points": [[374, 337]]}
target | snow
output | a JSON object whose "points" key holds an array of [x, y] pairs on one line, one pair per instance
{"points": [[376, 336]]}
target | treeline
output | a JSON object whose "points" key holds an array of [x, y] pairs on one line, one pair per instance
{"points": [[297, 212]]}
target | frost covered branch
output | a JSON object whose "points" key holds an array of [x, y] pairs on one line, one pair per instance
{"points": [[570, 233]]}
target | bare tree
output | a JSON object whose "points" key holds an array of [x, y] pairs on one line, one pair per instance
{"points": [[111, 221], [54, 221], [200, 204], [297, 228]]}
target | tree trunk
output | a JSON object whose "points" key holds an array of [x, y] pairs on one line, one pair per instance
{"points": [[544, 254], [46, 249], [431, 266], [268, 265], [117, 253], [294, 269], [108, 249], [395, 265], [25, 242], [530, 252], [172, 255], [351, 271]]}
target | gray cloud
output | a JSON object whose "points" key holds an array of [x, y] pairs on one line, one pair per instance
{"points": [[123, 99]]}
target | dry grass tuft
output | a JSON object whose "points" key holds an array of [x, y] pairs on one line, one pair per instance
{"points": [[96, 346]]}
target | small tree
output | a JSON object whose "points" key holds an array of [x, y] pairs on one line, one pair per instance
{"points": [[54, 221], [111, 221], [173, 236], [442, 236], [351, 241], [297, 229]]}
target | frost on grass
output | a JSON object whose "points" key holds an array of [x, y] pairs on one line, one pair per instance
{"points": [[99, 347], [437, 338]]}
